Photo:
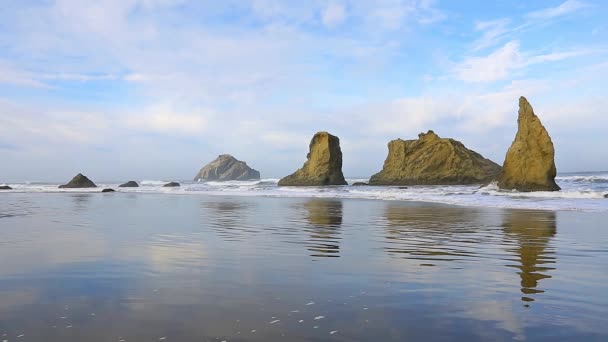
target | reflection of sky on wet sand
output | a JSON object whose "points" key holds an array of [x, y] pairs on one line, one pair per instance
{"points": [[194, 268]]}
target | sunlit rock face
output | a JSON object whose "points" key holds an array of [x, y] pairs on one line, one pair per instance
{"points": [[530, 161], [323, 165], [431, 160]]}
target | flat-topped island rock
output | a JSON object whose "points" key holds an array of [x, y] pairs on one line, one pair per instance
{"points": [[530, 161], [80, 181], [226, 168], [431, 160], [323, 165]]}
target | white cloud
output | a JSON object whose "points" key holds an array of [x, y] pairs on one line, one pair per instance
{"points": [[333, 14], [164, 119], [496, 66], [506, 62], [494, 31], [567, 7]]}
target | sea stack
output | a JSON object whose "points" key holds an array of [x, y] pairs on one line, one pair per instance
{"points": [[431, 160], [226, 168], [80, 181], [129, 184], [529, 164], [323, 165]]}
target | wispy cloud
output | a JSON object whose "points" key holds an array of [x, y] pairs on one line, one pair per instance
{"points": [[567, 7]]}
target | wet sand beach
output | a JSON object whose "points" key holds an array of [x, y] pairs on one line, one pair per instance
{"points": [[156, 267]]}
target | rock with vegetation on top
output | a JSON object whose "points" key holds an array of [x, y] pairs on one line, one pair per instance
{"points": [[529, 164], [80, 181], [108, 190], [323, 165], [226, 168], [431, 160], [129, 184], [5, 187], [171, 185]]}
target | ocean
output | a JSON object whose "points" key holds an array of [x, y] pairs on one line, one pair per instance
{"points": [[249, 261], [582, 191]]}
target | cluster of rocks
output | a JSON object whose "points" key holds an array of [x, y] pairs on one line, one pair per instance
{"points": [[431, 160], [529, 164]]}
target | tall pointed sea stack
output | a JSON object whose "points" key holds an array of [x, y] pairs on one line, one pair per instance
{"points": [[431, 160], [529, 164], [226, 168], [324, 164]]}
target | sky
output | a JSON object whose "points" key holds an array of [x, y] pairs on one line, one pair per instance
{"points": [[155, 89]]}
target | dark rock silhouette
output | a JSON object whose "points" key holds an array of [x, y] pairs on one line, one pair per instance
{"points": [[129, 184], [171, 185], [359, 184], [80, 181], [108, 190], [5, 187]]}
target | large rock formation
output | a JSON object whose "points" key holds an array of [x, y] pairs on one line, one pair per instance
{"points": [[529, 164], [323, 165], [432, 160], [225, 168], [80, 181], [129, 184]]}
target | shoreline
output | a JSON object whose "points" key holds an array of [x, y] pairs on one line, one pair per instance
{"points": [[322, 195]]}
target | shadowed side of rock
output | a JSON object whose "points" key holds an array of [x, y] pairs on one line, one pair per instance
{"points": [[323, 165], [431, 160], [530, 161], [79, 181]]}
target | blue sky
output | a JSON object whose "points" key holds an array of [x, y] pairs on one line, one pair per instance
{"points": [[154, 89]]}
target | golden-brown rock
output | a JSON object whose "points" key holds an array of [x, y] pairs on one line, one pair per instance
{"points": [[432, 160], [323, 165], [529, 164]]}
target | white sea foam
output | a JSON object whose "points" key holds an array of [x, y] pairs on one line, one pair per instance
{"points": [[579, 192]]}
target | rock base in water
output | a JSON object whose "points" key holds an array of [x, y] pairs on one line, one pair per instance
{"points": [[80, 181], [323, 165], [129, 184], [529, 164], [5, 187], [171, 185], [359, 184], [431, 160], [108, 190]]}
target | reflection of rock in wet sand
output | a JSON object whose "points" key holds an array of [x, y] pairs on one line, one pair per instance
{"points": [[531, 231], [81, 201], [325, 218], [229, 219], [434, 233]]}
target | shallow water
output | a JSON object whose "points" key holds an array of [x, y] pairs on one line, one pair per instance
{"points": [[157, 267], [581, 191]]}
